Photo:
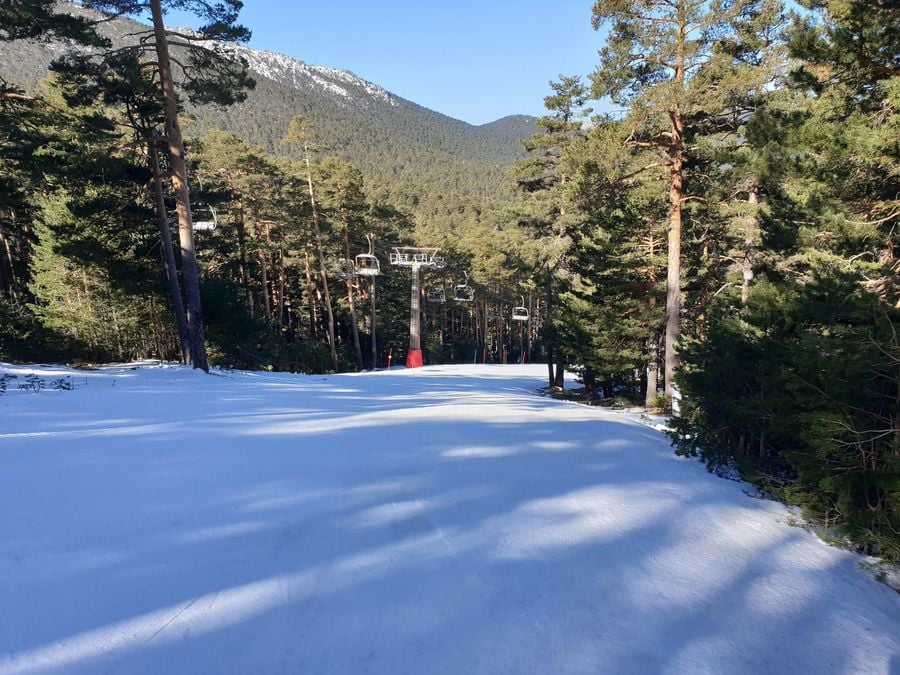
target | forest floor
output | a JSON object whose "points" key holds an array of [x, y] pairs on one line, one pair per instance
{"points": [[441, 520]]}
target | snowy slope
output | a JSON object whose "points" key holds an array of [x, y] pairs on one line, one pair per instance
{"points": [[340, 84], [444, 520]]}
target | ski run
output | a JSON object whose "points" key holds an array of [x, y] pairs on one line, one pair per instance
{"points": [[439, 520]]}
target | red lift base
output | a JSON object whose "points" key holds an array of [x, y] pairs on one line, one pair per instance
{"points": [[414, 358]]}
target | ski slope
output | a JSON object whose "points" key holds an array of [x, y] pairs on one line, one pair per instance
{"points": [[442, 520]]}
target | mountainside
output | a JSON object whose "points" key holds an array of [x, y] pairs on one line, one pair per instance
{"points": [[388, 137]]}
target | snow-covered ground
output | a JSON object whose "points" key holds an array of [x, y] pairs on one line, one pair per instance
{"points": [[443, 520]]}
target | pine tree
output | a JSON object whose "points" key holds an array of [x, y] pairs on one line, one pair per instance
{"points": [[658, 61], [546, 210], [298, 135], [210, 76], [798, 381], [619, 263], [343, 197], [128, 93], [26, 125]]}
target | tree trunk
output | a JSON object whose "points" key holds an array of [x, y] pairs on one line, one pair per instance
{"points": [[749, 243], [676, 197], [263, 268], [560, 381], [322, 270], [311, 297], [7, 279], [526, 345], [182, 194], [242, 253], [374, 344], [271, 300], [653, 339], [162, 222], [652, 366], [549, 333], [282, 279], [354, 325]]}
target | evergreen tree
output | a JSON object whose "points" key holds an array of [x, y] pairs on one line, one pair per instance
{"points": [[547, 210], [619, 265], [343, 197], [209, 77], [27, 125], [659, 60], [800, 386], [298, 134]]}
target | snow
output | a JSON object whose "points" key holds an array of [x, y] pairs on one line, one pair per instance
{"points": [[299, 75], [442, 520], [296, 73]]}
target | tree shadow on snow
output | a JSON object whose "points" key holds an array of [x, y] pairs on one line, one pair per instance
{"points": [[404, 532]]}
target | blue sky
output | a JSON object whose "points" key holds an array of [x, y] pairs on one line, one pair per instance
{"points": [[476, 61]]}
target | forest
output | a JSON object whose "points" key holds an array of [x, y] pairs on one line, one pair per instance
{"points": [[725, 237]]}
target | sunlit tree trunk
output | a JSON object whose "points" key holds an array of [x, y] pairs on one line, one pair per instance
{"points": [[162, 222], [354, 325], [676, 198], [178, 168], [263, 267], [749, 243]]}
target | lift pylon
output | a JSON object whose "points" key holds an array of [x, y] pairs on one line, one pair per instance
{"points": [[416, 258]]}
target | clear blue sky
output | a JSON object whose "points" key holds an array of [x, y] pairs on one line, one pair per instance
{"points": [[476, 61]]}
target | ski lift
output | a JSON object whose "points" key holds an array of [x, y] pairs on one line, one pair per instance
{"points": [[520, 313], [344, 268], [205, 218], [367, 265], [462, 292], [436, 294]]}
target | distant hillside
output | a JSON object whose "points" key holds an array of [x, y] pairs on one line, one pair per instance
{"points": [[393, 140]]}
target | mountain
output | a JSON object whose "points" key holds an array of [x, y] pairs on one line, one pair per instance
{"points": [[393, 140]]}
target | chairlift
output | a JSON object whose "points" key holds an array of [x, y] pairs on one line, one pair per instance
{"points": [[367, 265], [344, 268], [520, 313], [436, 294], [463, 292], [204, 218]]}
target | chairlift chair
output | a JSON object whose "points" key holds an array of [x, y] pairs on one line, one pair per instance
{"points": [[463, 292], [344, 268], [436, 294], [205, 219], [520, 313], [367, 265]]}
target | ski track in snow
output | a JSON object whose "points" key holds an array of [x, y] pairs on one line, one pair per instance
{"points": [[443, 520]]}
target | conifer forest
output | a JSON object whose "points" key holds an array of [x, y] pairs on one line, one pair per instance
{"points": [[726, 234]]}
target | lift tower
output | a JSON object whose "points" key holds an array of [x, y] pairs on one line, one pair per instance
{"points": [[416, 258]]}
